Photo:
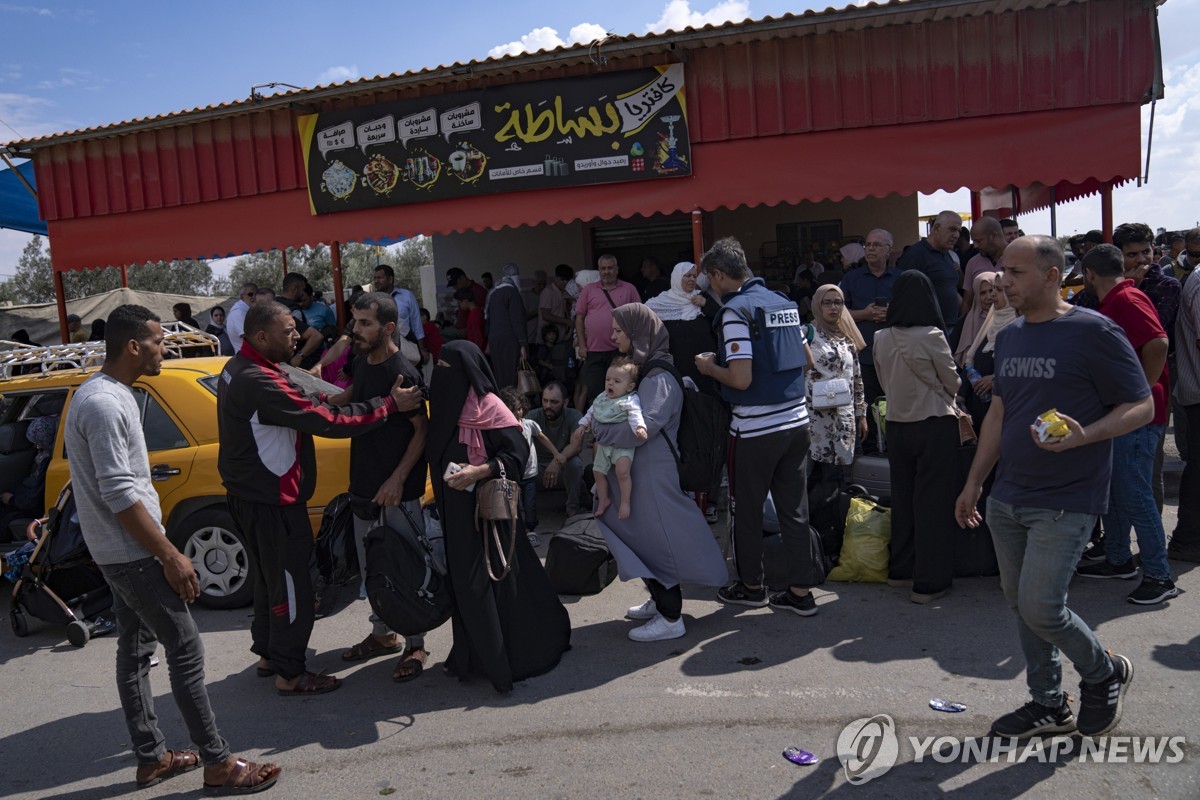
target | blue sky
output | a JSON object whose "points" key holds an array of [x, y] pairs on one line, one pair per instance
{"points": [[73, 65]]}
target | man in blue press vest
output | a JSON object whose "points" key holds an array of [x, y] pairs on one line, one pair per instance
{"points": [[760, 366]]}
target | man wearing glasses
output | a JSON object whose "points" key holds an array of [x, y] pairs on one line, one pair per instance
{"points": [[235, 322], [868, 290]]}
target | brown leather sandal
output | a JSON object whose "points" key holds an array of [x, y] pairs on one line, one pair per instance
{"points": [[369, 648], [410, 666], [311, 683], [246, 777], [176, 762]]}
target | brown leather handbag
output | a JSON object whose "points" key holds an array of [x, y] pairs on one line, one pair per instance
{"points": [[495, 502]]}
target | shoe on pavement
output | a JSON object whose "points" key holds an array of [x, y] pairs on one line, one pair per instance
{"points": [[804, 605], [1151, 591], [1035, 719], [647, 610], [710, 515], [1107, 569], [923, 597], [534, 540], [1100, 703], [1189, 554], [739, 594], [1094, 553], [658, 630], [900, 583]]}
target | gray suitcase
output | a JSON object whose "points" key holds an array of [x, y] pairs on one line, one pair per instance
{"points": [[873, 474]]}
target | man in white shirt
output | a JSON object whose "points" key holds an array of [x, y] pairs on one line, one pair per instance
{"points": [[235, 321]]}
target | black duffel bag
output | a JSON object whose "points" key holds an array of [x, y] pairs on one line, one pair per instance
{"points": [[577, 558], [406, 586]]}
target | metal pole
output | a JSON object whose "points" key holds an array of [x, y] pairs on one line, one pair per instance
{"points": [[124, 277], [60, 300], [697, 235], [976, 206], [1053, 214], [283, 253], [335, 260], [1106, 214]]}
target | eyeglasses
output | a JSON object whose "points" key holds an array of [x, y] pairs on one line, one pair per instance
{"points": [[876, 244], [1193, 258], [833, 303]]}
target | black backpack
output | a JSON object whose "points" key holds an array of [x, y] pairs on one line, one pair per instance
{"points": [[406, 586], [703, 438], [334, 560], [578, 560]]}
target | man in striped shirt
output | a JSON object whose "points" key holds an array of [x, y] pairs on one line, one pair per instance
{"points": [[761, 371]]}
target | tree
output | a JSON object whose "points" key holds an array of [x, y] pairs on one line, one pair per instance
{"points": [[316, 264], [34, 278]]}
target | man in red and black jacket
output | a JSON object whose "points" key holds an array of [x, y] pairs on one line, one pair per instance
{"points": [[268, 465]]}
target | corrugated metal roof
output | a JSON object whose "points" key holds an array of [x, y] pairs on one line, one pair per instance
{"points": [[950, 67], [810, 22]]}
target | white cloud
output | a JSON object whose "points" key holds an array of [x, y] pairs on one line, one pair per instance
{"points": [[339, 74], [678, 14], [26, 117], [35, 10], [546, 38]]}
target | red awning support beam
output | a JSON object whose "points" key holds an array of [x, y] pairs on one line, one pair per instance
{"points": [[335, 259], [697, 235], [1106, 214], [60, 300], [976, 207], [283, 255], [124, 277]]}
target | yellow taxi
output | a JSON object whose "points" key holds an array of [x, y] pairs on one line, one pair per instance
{"points": [[179, 419]]}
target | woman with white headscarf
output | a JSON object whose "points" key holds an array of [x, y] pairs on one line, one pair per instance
{"points": [[837, 419], [687, 314]]}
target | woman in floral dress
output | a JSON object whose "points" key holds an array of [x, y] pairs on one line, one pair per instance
{"points": [[833, 431]]}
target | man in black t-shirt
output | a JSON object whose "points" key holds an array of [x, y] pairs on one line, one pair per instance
{"points": [[931, 255], [387, 468]]}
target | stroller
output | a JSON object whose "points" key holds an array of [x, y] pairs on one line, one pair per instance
{"points": [[60, 583]]}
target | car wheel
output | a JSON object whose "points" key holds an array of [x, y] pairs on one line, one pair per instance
{"points": [[219, 554], [20, 626]]}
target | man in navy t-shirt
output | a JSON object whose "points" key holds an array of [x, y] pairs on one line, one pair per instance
{"points": [[1047, 495], [931, 255]]}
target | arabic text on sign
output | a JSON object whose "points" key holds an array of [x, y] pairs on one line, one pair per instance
{"points": [[530, 126], [516, 172], [604, 162]]}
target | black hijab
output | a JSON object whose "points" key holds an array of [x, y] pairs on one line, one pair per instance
{"points": [[468, 369], [914, 303]]}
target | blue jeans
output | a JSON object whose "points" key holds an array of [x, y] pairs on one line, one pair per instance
{"points": [[148, 612], [1037, 549], [529, 487], [1131, 503]]}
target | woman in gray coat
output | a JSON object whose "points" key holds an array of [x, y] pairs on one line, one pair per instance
{"points": [[665, 540]]}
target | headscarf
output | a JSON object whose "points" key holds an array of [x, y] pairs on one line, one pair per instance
{"points": [[40, 434], [675, 303], [999, 317], [463, 403], [510, 276], [973, 320], [914, 303], [648, 339], [845, 327]]}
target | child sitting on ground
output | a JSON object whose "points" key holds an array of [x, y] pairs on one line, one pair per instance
{"points": [[618, 403]]}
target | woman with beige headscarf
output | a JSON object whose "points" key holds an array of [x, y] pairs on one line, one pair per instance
{"points": [[979, 359], [837, 410]]}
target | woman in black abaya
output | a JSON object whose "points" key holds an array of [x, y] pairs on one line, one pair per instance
{"points": [[505, 630]]}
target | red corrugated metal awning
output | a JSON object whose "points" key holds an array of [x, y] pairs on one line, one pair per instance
{"points": [[828, 165]]}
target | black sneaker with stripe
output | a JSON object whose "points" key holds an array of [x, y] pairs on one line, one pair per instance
{"points": [[1033, 719], [1100, 703], [739, 594]]}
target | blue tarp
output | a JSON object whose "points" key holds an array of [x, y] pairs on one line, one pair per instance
{"points": [[18, 208]]}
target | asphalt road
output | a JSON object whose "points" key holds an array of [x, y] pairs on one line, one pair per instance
{"points": [[706, 715]]}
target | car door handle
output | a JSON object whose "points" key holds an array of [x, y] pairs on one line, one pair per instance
{"points": [[161, 472]]}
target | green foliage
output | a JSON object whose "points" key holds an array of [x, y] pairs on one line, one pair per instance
{"points": [[34, 278], [315, 263]]}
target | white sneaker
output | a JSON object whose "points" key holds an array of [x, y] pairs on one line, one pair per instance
{"points": [[646, 610], [658, 630]]}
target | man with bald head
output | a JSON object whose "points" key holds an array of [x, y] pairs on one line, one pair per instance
{"points": [[1048, 493], [990, 242], [931, 255]]}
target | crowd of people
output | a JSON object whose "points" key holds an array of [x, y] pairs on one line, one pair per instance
{"points": [[983, 334]]}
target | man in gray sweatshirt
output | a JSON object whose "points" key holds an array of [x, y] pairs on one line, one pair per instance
{"points": [[151, 581]]}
